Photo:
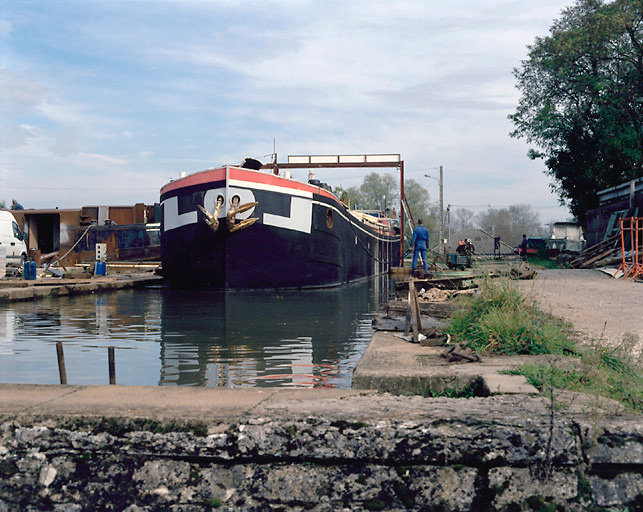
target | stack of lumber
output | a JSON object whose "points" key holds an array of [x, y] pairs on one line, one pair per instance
{"points": [[607, 252]]}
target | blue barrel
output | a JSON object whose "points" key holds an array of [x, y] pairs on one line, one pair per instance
{"points": [[100, 269], [30, 270]]}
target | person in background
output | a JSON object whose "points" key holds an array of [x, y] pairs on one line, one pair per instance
{"points": [[420, 243], [15, 205], [496, 248], [523, 247], [469, 251]]}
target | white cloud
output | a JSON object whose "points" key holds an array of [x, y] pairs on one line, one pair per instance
{"points": [[151, 89], [19, 94], [6, 28], [104, 158]]}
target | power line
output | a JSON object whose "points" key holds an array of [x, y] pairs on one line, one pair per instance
{"points": [[504, 206]]}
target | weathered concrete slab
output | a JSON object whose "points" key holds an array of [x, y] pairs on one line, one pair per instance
{"points": [[499, 384], [393, 365], [151, 402], [264, 449]]}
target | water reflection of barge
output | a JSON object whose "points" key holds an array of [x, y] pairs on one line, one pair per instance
{"points": [[309, 338], [240, 227]]}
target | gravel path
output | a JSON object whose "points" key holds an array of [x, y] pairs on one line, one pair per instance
{"points": [[600, 307]]}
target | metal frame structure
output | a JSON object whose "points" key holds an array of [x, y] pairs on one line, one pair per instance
{"points": [[350, 161], [632, 231]]}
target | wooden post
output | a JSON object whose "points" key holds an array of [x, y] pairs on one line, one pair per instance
{"points": [[61, 362], [112, 368], [413, 319]]}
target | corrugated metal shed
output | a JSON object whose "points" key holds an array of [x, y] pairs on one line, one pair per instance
{"points": [[621, 201]]}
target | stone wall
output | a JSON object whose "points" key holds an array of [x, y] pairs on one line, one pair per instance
{"points": [[460, 455]]}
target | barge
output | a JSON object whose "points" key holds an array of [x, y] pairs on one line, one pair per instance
{"points": [[240, 227]]}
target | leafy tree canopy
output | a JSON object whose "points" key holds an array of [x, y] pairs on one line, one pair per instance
{"points": [[582, 100], [375, 187]]}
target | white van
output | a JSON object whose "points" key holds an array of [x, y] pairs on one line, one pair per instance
{"points": [[11, 239]]}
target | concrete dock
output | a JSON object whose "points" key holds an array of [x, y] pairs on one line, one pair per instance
{"points": [[399, 440], [145, 448], [159, 403], [22, 290]]}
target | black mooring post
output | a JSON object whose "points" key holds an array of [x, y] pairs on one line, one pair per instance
{"points": [[61, 362], [112, 368]]}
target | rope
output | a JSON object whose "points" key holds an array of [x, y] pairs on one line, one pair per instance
{"points": [[77, 242]]}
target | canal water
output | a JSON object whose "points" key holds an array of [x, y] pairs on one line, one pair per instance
{"points": [[193, 338]]}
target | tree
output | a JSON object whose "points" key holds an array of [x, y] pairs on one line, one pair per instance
{"points": [[3, 205], [582, 102], [370, 196], [422, 208], [510, 223], [376, 187], [462, 219], [497, 222]]}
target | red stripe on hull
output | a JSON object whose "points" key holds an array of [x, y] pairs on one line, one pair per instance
{"points": [[235, 173], [198, 178], [277, 181]]}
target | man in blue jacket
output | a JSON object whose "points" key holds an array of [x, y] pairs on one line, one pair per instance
{"points": [[420, 243]]}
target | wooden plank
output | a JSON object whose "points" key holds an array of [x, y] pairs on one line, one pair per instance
{"points": [[596, 250], [605, 243], [436, 309], [599, 257]]}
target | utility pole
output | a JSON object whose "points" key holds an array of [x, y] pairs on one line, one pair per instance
{"points": [[442, 246]]}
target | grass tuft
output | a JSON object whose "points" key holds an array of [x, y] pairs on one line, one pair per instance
{"points": [[502, 320]]}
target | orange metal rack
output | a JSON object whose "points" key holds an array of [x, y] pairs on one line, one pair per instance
{"points": [[632, 265]]}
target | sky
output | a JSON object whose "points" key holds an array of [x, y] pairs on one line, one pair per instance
{"points": [[103, 102]]}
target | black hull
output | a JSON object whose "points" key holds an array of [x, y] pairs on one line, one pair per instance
{"points": [[338, 249]]}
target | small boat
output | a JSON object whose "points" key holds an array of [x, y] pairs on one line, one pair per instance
{"points": [[239, 227]]}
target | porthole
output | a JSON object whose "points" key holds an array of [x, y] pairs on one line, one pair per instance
{"points": [[330, 218]]}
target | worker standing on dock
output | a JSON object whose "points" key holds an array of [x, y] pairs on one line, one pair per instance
{"points": [[420, 243], [523, 248]]}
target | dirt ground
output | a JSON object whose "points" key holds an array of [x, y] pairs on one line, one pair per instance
{"points": [[601, 308]]}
